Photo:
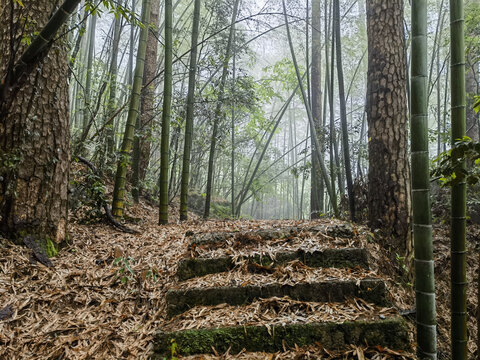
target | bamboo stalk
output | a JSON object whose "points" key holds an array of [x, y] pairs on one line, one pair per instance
{"points": [[189, 118], [133, 113], [166, 114], [422, 222], [309, 112], [458, 211]]}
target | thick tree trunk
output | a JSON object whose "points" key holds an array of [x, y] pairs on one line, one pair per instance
{"points": [[143, 126], [389, 173], [34, 137], [148, 96]]}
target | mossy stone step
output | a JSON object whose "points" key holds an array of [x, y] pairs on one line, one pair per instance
{"points": [[370, 290], [391, 333], [213, 238], [341, 258]]}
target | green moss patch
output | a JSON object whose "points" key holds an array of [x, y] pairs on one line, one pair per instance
{"points": [[391, 333], [341, 258], [370, 290], [50, 248]]}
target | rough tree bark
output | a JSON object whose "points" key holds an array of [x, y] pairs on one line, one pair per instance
{"points": [[34, 135], [141, 142], [148, 94], [389, 173]]}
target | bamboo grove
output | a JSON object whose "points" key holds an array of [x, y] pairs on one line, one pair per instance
{"points": [[275, 110]]}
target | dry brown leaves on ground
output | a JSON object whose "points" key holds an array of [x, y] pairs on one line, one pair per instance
{"points": [[293, 273], [316, 352], [276, 311], [105, 296]]}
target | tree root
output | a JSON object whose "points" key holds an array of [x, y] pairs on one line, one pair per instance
{"points": [[108, 212]]}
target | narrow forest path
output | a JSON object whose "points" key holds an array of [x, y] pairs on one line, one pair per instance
{"points": [[279, 288], [112, 295]]}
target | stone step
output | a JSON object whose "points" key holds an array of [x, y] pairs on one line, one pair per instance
{"points": [[340, 258], [371, 290], [391, 332], [245, 237]]}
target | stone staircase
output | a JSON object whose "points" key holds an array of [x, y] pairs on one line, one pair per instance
{"points": [[335, 301]]}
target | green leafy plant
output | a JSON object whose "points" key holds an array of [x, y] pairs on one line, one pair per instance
{"points": [[476, 104], [451, 169], [174, 349], [125, 271], [153, 274]]}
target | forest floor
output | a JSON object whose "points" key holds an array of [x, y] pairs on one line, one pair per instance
{"points": [[92, 306]]}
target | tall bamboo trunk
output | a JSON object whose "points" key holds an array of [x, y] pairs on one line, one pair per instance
{"points": [[88, 82], [218, 112], [343, 111], [317, 188], [321, 162], [133, 113], [109, 145], [422, 222], [329, 80], [166, 114], [232, 130], [190, 113], [458, 211]]}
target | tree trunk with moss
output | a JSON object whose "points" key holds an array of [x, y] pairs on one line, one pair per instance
{"points": [[34, 133], [389, 173]]}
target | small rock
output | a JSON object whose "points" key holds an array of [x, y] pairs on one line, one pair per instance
{"points": [[6, 312]]}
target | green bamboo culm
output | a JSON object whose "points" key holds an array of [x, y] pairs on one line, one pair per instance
{"points": [[133, 113], [166, 114], [218, 112], [46, 35], [458, 211], [88, 81], [39, 43], [189, 118], [422, 219], [323, 169]]}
